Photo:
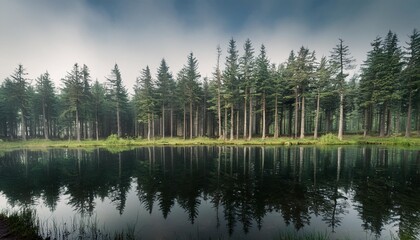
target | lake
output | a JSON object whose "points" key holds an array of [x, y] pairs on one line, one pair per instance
{"points": [[212, 192]]}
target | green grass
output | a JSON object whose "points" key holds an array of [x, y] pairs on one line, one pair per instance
{"points": [[25, 225], [113, 143], [22, 224]]}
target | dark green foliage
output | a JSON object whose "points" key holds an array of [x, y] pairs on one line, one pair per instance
{"points": [[20, 96], [118, 96], [248, 97]]}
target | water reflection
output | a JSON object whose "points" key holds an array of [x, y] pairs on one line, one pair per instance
{"points": [[244, 187]]}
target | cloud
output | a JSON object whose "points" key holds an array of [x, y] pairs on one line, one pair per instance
{"points": [[53, 35]]}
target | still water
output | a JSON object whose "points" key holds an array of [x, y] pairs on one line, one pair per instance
{"points": [[211, 192]]}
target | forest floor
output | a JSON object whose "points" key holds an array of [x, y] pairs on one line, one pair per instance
{"points": [[114, 142]]}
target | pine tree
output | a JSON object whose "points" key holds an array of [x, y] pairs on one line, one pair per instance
{"points": [[191, 86], [303, 74], [246, 71], [341, 61], [73, 95], [279, 81], [369, 72], [165, 86], [387, 79], [98, 102], [263, 84], [323, 77], [45, 90], [118, 95], [411, 76], [215, 95], [86, 107], [20, 96], [230, 80], [145, 99]]}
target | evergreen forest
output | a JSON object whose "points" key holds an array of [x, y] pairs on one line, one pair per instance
{"points": [[247, 96]]}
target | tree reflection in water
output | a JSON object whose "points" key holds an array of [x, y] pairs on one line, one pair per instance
{"points": [[242, 184]]}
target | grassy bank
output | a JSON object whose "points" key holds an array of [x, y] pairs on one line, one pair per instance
{"points": [[112, 141]]}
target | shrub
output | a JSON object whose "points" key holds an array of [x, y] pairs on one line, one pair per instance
{"points": [[329, 138]]}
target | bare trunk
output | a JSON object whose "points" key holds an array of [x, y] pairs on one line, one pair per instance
{"points": [[191, 121], [77, 125], [148, 126], [23, 130], [388, 122], [276, 118], [44, 118], [196, 123], [365, 128], [172, 123], [231, 122], [296, 113], [118, 121], [163, 120], [219, 115], [316, 116], [263, 116], [408, 124], [225, 127], [185, 123], [97, 129], [237, 124], [383, 121], [341, 120], [153, 126], [250, 116], [302, 120], [245, 113]]}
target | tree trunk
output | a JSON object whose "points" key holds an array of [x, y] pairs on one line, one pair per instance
{"points": [[118, 121], [77, 125], [185, 122], [172, 123], [191, 121], [408, 124], [225, 127], [382, 121], [365, 127], [263, 115], [237, 124], [196, 123], [296, 113], [219, 115], [388, 123], [276, 118], [302, 119], [316, 116], [163, 120], [44, 117], [148, 126], [245, 113], [250, 115], [23, 130], [341, 120], [97, 129], [153, 126], [231, 122]]}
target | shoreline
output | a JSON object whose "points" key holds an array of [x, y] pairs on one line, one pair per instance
{"points": [[328, 139]]}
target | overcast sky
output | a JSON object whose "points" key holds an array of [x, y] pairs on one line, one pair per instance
{"points": [[52, 35]]}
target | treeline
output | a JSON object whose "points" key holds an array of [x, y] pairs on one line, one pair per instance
{"points": [[248, 97]]}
